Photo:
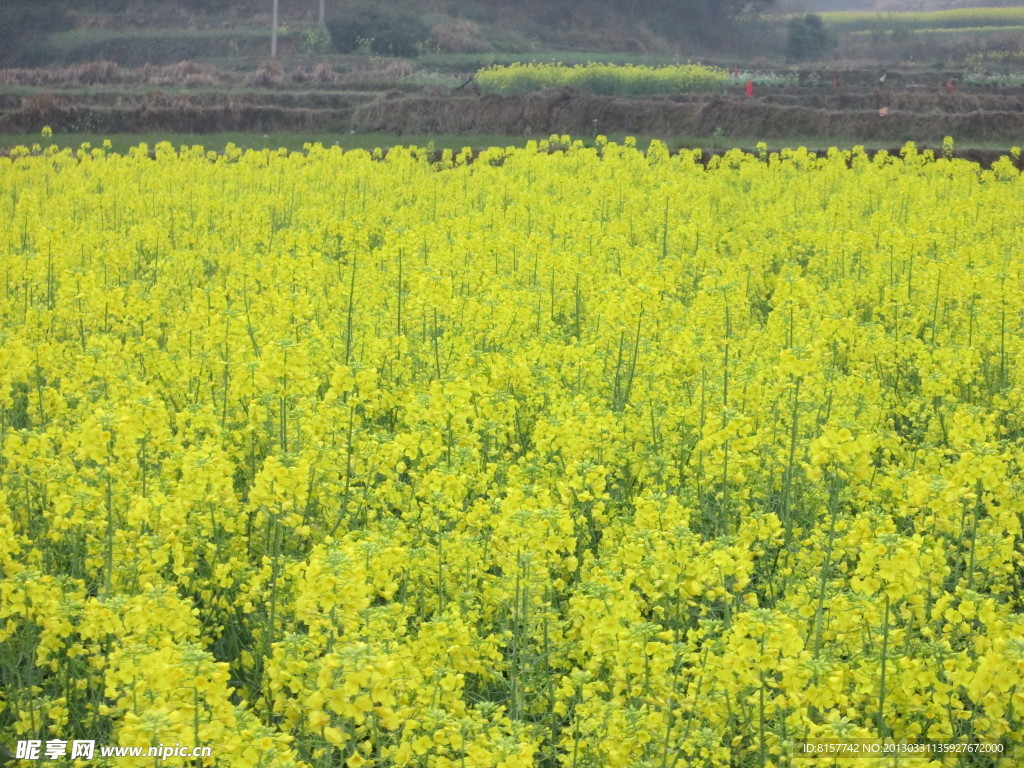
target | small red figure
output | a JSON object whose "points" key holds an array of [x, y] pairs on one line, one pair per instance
{"points": [[750, 88], [835, 82], [949, 85]]}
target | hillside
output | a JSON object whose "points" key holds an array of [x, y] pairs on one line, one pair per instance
{"points": [[235, 34], [135, 32]]}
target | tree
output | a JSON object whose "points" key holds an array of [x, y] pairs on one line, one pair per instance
{"points": [[808, 38]]}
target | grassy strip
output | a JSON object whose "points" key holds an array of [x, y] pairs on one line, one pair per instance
{"points": [[950, 31], [999, 80], [159, 46], [279, 96], [466, 62], [75, 37]]}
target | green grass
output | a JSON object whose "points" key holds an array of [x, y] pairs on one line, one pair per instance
{"points": [[950, 31], [76, 37], [291, 91], [158, 45], [108, 97], [995, 79]]}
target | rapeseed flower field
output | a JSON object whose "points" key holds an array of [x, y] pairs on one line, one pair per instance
{"points": [[564, 455]]}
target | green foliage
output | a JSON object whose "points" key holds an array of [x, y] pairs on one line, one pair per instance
{"points": [[808, 38], [316, 41], [995, 79], [386, 31]]}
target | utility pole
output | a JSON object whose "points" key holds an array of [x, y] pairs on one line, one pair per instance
{"points": [[320, 21], [273, 34]]}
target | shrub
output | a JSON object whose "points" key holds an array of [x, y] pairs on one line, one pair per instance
{"points": [[269, 74], [461, 36], [808, 38], [316, 41], [387, 31]]}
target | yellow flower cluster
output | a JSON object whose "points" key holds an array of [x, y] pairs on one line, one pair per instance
{"points": [[609, 79], [949, 18], [579, 457]]}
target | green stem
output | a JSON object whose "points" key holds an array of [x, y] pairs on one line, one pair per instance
{"points": [[882, 729]]}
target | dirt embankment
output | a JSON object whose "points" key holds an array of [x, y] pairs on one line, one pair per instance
{"points": [[329, 102], [192, 98], [154, 114], [566, 111]]}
